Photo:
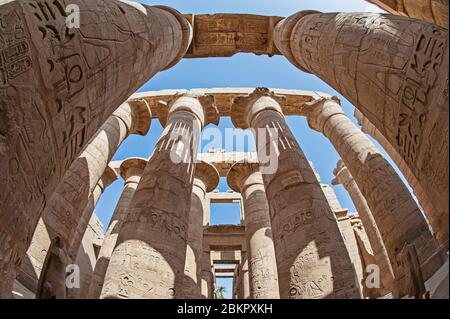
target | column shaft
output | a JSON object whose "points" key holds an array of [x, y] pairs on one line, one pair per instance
{"points": [[148, 260], [60, 84], [263, 279], [207, 276], [64, 212], [433, 11], [206, 179], [394, 70], [395, 212], [131, 171], [312, 259], [438, 223]]}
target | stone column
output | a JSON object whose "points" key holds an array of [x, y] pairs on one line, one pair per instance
{"points": [[395, 212], [394, 70], [244, 281], [71, 243], [433, 11], [131, 171], [148, 260], [207, 276], [59, 83], [381, 258], [64, 215], [108, 177], [206, 179], [438, 223], [245, 178], [312, 259]]}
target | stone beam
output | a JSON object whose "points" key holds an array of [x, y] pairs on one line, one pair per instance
{"points": [[293, 100], [224, 35], [224, 197], [226, 257], [224, 238]]}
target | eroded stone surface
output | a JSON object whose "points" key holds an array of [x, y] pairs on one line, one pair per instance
{"points": [[312, 259], [206, 179], [148, 260], [394, 70], [434, 11], [246, 179], [131, 170], [395, 212], [57, 87]]}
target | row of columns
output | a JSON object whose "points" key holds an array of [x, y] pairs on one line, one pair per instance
{"points": [[267, 253], [401, 88]]}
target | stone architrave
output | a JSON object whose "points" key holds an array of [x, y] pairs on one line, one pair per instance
{"points": [[206, 179], [395, 212], [433, 11], [149, 257], [394, 70], [59, 82], [131, 171], [380, 255], [439, 224], [246, 179], [312, 259]]}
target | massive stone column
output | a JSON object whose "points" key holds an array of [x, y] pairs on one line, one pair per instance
{"points": [[394, 70], [148, 260], [64, 214], [381, 258], [206, 179], [246, 179], [433, 11], [131, 171], [439, 223], [59, 82], [311, 256], [395, 212]]}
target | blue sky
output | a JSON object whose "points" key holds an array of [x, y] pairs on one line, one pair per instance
{"points": [[242, 70]]}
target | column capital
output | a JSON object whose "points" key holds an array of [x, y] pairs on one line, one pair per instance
{"points": [[320, 110], [131, 168], [282, 37], [109, 176], [202, 106], [342, 174], [207, 174], [240, 172], [142, 117], [244, 108]]}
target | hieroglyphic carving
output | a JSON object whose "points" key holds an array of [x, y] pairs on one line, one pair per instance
{"points": [[291, 191], [434, 11], [396, 214], [222, 35], [58, 85], [158, 213], [394, 70]]}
